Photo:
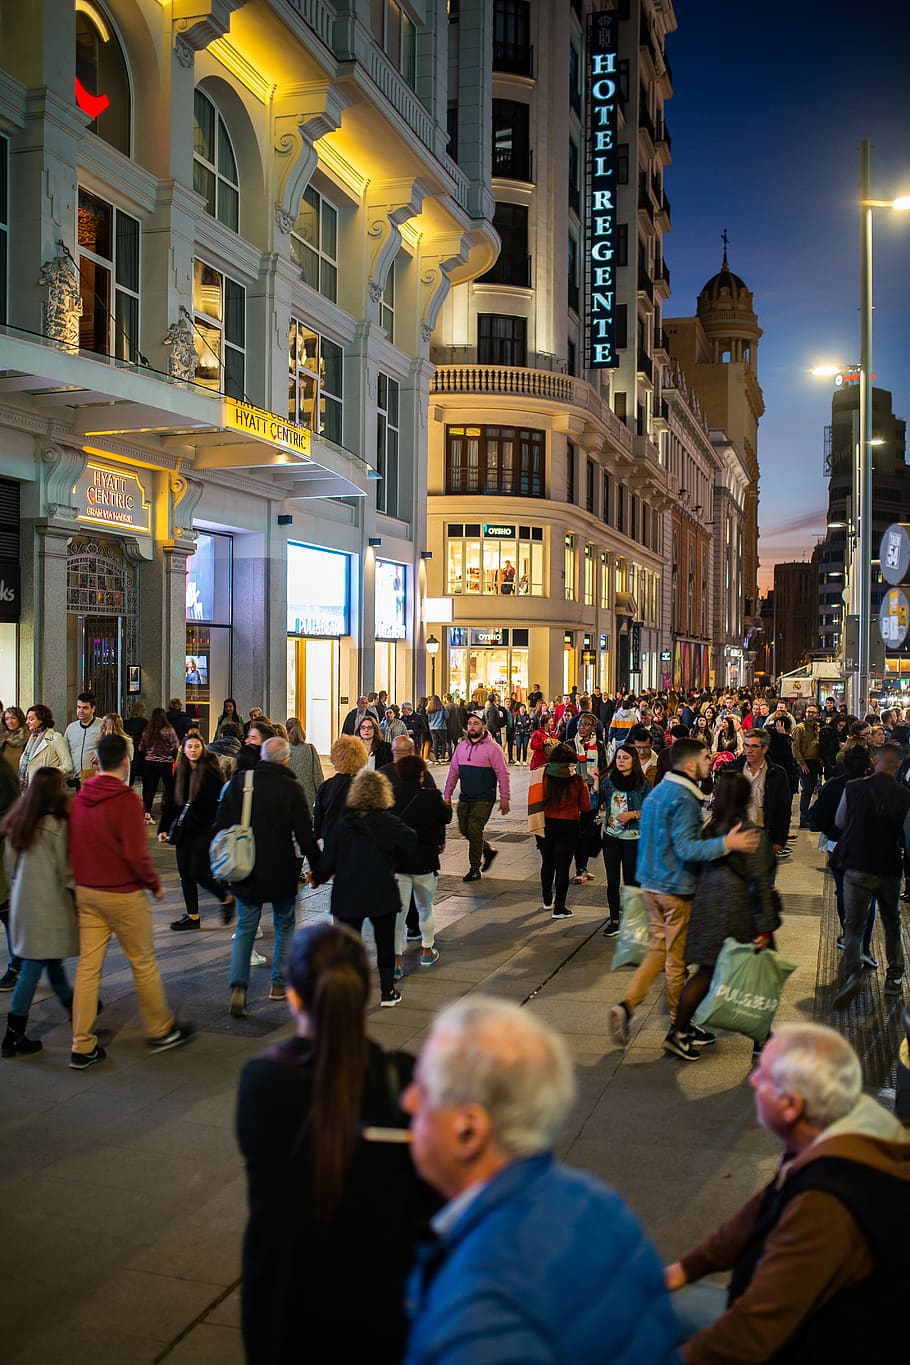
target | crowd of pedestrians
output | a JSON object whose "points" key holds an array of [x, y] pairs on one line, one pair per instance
{"points": [[434, 1189]]}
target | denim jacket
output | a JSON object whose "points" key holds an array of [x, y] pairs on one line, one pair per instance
{"points": [[671, 847]]}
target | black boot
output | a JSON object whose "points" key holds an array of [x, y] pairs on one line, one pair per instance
{"points": [[15, 1044]]}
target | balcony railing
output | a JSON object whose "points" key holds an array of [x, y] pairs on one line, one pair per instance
{"points": [[663, 135], [645, 364], [509, 269], [662, 273], [645, 284], [644, 118], [515, 58]]}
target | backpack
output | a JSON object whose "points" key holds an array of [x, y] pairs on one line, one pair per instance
{"points": [[232, 852]]}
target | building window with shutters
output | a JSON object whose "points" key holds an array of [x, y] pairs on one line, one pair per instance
{"points": [[219, 325], [108, 242], [315, 381], [214, 163], [387, 440], [314, 243], [501, 340], [508, 461]]}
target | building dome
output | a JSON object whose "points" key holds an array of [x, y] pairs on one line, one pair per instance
{"points": [[725, 289]]}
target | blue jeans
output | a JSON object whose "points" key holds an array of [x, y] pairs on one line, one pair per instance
{"points": [[247, 923], [30, 975], [696, 1306]]}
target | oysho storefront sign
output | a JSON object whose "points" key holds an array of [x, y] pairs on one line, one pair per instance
{"points": [[603, 93], [112, 496]]}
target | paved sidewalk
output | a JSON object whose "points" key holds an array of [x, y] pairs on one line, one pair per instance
{"points": [[123, 1194]]}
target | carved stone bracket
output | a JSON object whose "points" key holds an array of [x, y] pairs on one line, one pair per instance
{"points": [[388, 206], [63, 307], [181, 363], [186, 495], [196, 23], [185, 54], [62, 467], [435, 265], [302, 116]]}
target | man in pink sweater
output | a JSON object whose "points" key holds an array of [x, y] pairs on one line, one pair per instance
{"points": [[477, 768], [113, 873]]}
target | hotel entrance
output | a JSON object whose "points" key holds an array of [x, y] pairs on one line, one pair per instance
{"points": [[101, 624]]}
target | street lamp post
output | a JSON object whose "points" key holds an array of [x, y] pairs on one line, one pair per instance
{"points": [[864, 471], [432, 650]]}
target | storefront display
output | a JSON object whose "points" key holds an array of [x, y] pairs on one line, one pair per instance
{"points": [[207, 671], [495, 558], [495, 658], [319, 613]]}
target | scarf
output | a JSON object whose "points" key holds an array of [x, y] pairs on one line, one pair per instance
{"points": [[623, 782], [560, 770]]}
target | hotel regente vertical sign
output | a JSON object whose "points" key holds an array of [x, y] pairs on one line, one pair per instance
{"points": [[603, 95]]}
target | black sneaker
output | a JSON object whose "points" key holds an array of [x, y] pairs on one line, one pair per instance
{"points": [[867, 962], [700, 1036], [389, 999], [9, 979], [681, 1045], [178, 1035], [472, 876], [185, 922], [894, 985], [840, 943], [228, 911], [564, 913], [849, 991], [81, 1061], [488, 859], [611, 929], [413, 936]]}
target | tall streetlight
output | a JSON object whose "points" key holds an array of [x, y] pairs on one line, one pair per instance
{"points": [[862, 473], [432, 646]]}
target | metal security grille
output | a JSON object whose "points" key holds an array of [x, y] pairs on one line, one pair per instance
{"points": [[100, 581], [9, 521]]}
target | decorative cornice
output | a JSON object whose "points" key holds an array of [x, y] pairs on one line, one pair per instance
{"points": [[389, 205], [301, 115], [61, 467], [439, 256], [199, 22], [186, 494], [230, 56]]}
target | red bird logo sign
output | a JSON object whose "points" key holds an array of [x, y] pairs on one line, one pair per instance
{"points": [[93, 105]]}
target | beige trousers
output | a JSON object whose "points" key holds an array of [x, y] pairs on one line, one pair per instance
{"points": [[668, 921], [128, 916]]}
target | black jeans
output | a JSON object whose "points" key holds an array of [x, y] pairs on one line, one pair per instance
{"points": [[152, 774], [859, 889], [557, 849], [195, 870], [620, 855], [384, 934], [440, 744]]}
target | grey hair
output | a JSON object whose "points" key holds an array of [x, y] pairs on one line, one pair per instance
{"points": [[490, 1052], [276, 750], [759, 733], [820, 1066]]}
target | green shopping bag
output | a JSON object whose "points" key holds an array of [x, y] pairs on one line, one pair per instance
{"points": [[745, 990], [633, 936]]}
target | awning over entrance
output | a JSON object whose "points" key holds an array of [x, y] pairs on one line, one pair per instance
{"points": [[135, 411], [626, 605]]}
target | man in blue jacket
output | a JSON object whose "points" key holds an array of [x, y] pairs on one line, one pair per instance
{"points": [[670, 848], [535, 1263]]}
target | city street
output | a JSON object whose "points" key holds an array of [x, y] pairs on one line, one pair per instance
{"points": [[123, 1193]]}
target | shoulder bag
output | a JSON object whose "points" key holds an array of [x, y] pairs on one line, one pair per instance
{"points": [[232, 852]]}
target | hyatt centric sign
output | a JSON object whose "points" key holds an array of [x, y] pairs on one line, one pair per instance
{"points": [[601, 207]]}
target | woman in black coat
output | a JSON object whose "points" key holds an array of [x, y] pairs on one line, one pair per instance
{"points": [[421, 807], [348, 755], [197, 789], [363, 851], [780, 751], [335, 1206], [734, 898]]}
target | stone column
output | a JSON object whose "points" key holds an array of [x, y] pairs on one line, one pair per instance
{"points": [[47, 593]]}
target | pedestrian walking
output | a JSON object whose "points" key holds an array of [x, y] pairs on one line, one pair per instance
{"points": [[438, 723], [807, 753], [81, 736], [45, 746], [523, 727], [565, 803], [670, 848], [734, 898], [282, 834], [158, 749], [423, 809], [363, 852], [348, 755], [13, 736], [113, 874], [623, 792], [379, 750], [591, 758], [334, 1200], [42, 906], [477, 768], [305, 763], [197, 790]]}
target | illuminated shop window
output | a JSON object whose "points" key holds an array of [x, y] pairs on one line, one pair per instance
{"points": [[102, 86], [314, 243], [502, 560], [214, 163], [219, 318], [108, 278], [315, 381]]}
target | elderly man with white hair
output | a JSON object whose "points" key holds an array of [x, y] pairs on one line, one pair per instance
{"points": [[536, 1264], [818, 1257]]}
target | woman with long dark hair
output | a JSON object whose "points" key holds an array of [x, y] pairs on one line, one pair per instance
{"points": [[622, 795], [728, 738], [197, 788], [13, 736], [157, 751], [43, 925], [565, 799], [229, 714], [733, 899], [335, 1207], [379, 752]]}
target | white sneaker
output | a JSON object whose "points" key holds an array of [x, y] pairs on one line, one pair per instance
{"points": [[258, 934], [257, 959]]}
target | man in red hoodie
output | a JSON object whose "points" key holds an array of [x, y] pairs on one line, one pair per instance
{"points": [[113, 872]]}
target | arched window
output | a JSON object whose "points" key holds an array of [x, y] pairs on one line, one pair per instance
{"points": [[214, 163], [102, 86]]}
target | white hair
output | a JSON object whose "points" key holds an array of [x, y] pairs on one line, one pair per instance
{"points": [[492, 1053], [818, 1065], [276, 750]]}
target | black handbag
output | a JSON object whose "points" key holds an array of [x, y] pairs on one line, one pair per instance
{"points": [[176, 829]]}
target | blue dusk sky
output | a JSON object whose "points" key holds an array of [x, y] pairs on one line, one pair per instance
{"points": [[770, 103]]}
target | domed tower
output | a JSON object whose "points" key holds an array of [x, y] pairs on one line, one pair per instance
{"points": [[718, 352]]}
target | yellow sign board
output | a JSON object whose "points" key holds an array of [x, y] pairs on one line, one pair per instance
{"points": [[112, 496], [266, 426]]}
